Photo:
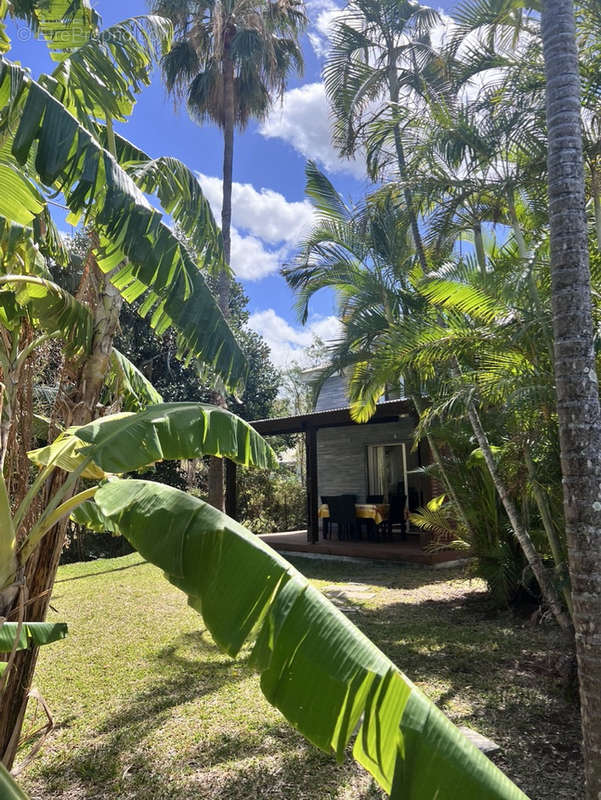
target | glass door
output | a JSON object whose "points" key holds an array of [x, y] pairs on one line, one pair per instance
{"points": [[394, 469]]}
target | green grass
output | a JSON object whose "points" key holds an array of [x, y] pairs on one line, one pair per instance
{"points": [[145, 705]]}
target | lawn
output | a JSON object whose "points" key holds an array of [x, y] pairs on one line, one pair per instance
{"points": [[146, 706]]}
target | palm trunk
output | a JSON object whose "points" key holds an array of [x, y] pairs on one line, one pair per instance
{"points": [[575, 374], [41, 568], [596, 191], [532, 556], [480, 251], [557, 550], [393, 84], [419, 407], [216, 468]]}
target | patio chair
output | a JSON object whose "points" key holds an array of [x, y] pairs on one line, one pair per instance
{"points": [[378, 499], [325, 499], [396, 515], [342, 512]]}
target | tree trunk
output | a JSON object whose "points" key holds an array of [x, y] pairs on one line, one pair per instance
{"points": [[479, 244], [596, 191], [549, 594], [575, 374], [393, 84], [419, 407], [216, 468], [41, 568]]}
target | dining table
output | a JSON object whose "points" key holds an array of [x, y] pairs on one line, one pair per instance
{"points": [[378, 512]]}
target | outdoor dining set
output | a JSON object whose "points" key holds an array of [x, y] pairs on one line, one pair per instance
{"points": [[376, 519]]}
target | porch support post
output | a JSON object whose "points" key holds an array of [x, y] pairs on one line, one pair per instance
{"points": [[312, 520], [231, 500]]}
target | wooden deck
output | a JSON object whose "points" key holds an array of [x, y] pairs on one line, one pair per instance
{"points": [[408, 552]]}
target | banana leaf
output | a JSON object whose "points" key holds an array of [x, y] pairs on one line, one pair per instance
{"points": [[101, 78], [8, 788], [64, 24], [139, 252], [54, 309], [125, 381], [126, 442], [19, 198], [90, 516], [31, 634], [316, 667]]}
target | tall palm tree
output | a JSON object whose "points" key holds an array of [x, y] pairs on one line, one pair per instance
{"points": [[575, 369], [382, 58], [229, 61]]}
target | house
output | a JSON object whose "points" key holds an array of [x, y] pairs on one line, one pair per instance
{"points": [[344, 457], [377, 458]]}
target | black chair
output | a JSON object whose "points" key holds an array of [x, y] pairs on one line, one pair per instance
{"points": [[396, 514], [378, 499], [325, 499], [342, 512]]}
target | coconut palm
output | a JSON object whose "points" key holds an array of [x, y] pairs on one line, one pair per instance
{"points": [[575, 368], [229, 61]]}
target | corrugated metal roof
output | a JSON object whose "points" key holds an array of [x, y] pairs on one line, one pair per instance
{"points": [[332, 417]]}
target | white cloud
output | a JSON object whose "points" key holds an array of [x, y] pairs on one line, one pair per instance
{"points": [[288, 343], [303, 121], [263, 213], [265, 226], [251, 260], [319, 33]]}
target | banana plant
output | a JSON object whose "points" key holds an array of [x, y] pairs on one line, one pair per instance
{"points": [[8, 788], [121, 443], [138, 252]]}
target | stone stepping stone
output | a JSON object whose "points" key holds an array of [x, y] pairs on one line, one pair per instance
{"points": [[487, 746]]}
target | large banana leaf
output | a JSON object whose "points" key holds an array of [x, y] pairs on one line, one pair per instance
{"points": [[32, 633], [64, 24], [126, 442], [101, 78], [131, 386], [8, 788], [316, 667], [4, 40], [19, 198], [179, 192], [91, 517], [53, 308], [139, 251]]}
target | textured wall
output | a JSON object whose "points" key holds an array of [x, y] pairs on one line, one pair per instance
{"points": [[342, 454]]}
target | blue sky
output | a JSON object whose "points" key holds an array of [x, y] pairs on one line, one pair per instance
{"points": [[270, 212]]}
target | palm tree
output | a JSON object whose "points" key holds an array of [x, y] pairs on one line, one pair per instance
{"points": [[396, 327], [230, 59], [575, 368], [366, 255], [381, 60]]}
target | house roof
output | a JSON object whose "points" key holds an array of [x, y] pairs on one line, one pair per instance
{"points": [[388, 411]]}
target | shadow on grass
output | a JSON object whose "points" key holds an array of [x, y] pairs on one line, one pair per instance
{"points": [[98, 573], [185, 676], [493, 674], [488, 673], [390, 575]]}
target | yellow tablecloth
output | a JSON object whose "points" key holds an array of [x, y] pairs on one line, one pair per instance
{"points": [[379, 512]]}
